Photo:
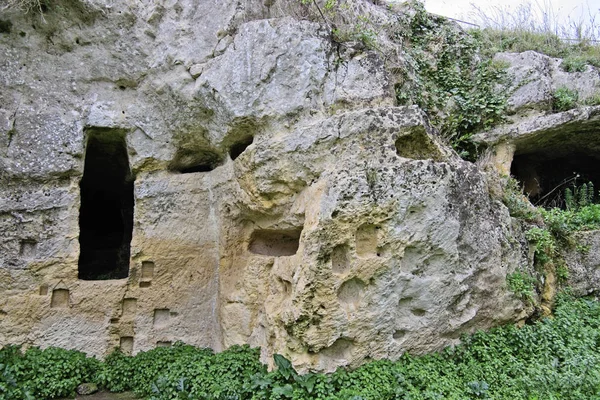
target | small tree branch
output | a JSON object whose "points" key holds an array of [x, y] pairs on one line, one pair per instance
{"points": [[321, 12]]}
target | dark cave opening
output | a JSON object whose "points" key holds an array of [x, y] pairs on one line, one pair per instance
{"points": [[238, 148], [106, 212], [197, 168], [564, 160]]}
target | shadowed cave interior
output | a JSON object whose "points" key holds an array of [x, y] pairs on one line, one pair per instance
{"points": [[106, 213], [559, 160]]}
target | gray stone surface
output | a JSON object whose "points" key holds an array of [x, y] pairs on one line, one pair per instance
{"points": [[535, 77], [583, 262], [400, 245], [579, 123], [87, 388]]}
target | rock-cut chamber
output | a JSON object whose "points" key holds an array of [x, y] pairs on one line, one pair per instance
{"points": [[106, 211], [548, 164]]}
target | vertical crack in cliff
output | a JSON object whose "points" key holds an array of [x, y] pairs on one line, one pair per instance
{"points": [[13, 130], [106, 213]]}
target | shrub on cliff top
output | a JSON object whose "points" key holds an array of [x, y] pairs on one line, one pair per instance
{"points": [[536, 26]]}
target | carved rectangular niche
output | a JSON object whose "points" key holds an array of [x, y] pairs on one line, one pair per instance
{"points": [[162, 317], [60, 298], [147, 270], [275, 243], [126, 344]]}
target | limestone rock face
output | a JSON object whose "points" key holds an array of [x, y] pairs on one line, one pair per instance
{"points": [[549, 151], [534, 77], [583, 262], [544, 149], [279, 198]]}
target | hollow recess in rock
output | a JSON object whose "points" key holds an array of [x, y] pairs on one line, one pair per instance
{"points": [[286, 286], [366, 240], [399, 334], [126, 344], [147, 270], [277, 243], [418, 312], [106, 213], [416, 145], [162, 317], [341, 349], [188, 161], [351, 292], [548, 164], [28, 249], [240, 146], [339, 259], [128, 307]]}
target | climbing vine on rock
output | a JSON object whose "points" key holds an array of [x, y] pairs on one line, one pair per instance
{"points": [[460, 89]]}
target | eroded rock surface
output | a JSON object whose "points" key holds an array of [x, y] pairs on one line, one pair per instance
{"points": [[545, 148], [281, 199], [535, 77], [583, 261]]}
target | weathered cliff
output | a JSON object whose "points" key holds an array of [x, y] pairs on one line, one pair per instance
{"points": [[271, 190]]}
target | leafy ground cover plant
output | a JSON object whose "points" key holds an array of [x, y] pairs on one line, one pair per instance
{"points": [[43, 374], [580, 213], [522, 285], [518, 203], [183, 372], [553, 358]]}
